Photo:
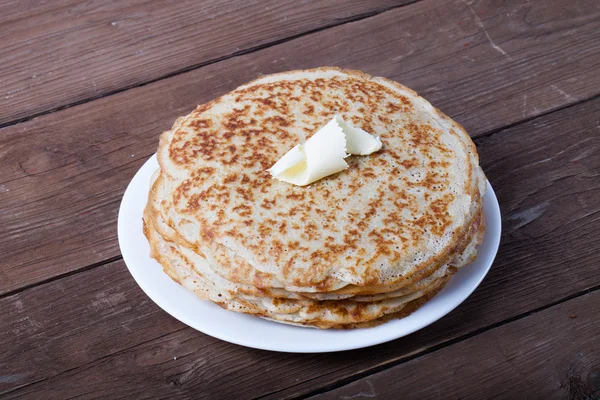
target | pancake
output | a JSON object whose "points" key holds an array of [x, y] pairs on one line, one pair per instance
{"points": [[352, 250], [390, 214], [170, 231], [202, 268], [322, 314]]}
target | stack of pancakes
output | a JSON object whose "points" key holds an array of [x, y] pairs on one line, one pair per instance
{"points": [[354, 249]]}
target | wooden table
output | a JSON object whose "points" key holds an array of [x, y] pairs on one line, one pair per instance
{"points": [[86, 87]]}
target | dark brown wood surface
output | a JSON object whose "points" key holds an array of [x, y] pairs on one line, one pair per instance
{"points": [[67, 51], [546, 201], [65, 174], [523, 77], [517, 358]]}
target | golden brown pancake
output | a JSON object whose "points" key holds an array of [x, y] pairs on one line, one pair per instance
{"points": [[395, 224]]}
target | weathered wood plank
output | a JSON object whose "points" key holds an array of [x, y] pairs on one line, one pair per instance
{"points": [[553, 354], [545, 173], [65, 51], [74, 321], [63, 175]]}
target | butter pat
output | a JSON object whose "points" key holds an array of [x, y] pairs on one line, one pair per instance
{"points": [[323, 154]]}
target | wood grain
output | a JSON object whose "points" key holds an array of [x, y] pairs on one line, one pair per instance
{"points": [[553, 354], [63, 175], [62, 52], [74, 321], [95, 332]]}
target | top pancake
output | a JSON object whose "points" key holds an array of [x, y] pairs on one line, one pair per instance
{"points": [[387, 216]]}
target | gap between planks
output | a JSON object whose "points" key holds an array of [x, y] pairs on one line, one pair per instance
{"points": [[534, 117], [61, 276], [239, 53]]}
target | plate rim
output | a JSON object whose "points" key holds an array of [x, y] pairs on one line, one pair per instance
{"points": [[493, 234]]}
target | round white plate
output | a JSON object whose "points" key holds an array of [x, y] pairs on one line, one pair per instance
{"points": [[255, 332]]}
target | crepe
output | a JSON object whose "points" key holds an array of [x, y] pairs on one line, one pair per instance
{"points": [[182, 266], [344, 251]]}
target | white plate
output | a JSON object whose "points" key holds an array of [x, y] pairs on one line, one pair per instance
{"points": [[254, 332]]}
